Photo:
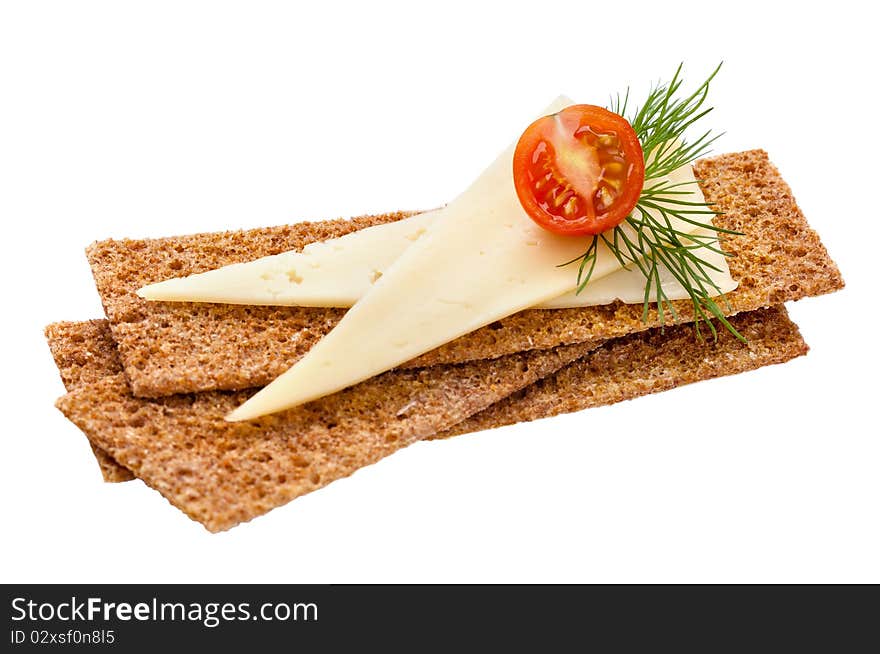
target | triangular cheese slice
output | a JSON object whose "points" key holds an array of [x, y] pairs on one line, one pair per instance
{"points": [[480, 260]]}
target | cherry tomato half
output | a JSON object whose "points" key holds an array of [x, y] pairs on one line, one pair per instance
{"points": [[579, 171]]}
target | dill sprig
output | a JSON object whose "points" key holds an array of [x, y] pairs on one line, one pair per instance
{"points": [[652, 240]]}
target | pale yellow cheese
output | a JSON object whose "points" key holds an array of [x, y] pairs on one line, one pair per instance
{"points": [[480, 260], [338, 272], [333, 273]]}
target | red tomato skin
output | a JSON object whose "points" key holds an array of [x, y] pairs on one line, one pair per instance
{"points": [[572, 207]]}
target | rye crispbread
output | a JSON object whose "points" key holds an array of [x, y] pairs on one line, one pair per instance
{"points": [[630, 367], [223, 473], [168, 348], [86, 353], [83, 351]]}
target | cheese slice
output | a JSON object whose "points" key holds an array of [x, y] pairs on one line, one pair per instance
{"points": [[340, 271], [333, 273], [481, 259]]}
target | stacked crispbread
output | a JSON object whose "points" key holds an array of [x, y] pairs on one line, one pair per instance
{"points": [[150, 385]]}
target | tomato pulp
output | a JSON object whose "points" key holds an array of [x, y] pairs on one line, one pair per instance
{"points": [[579, 171]]}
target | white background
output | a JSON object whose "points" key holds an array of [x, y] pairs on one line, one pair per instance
{"points": [[156, 118]]}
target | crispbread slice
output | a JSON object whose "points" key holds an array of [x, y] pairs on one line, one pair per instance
{"points": [[630, 367], [83, 351], [223, 473], [86, 353], [168, 348]]}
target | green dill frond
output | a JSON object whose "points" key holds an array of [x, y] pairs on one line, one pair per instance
{"points": [[652, 239]]}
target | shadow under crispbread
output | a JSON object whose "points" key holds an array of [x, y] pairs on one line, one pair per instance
{"points": [[223, 473], [167, 348]]}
